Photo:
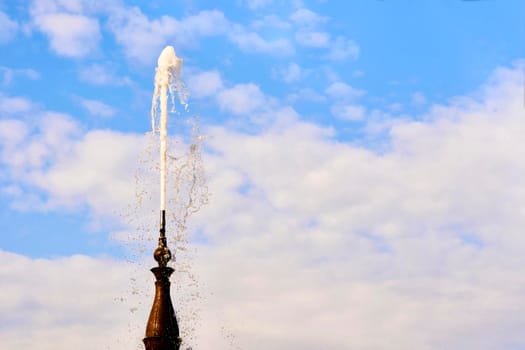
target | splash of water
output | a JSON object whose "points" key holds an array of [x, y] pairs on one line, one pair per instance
{"points": [[183, 191], [167, 81]]}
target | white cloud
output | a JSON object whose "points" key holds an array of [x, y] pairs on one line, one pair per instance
{"points": [[11, 73], [395, 107], [70, 35], [14, 105], [12, 133], [309, 34], [27, 149], [290, 73], [69, 167], [306, 17], [257, 4], [358, 74], [270, 21], [64, 298], [429, 231], [204, 24], [343, 49], [143, 38], [348, 111], [374, 242], [70, 25], [242, 99], [97, 108], [418, 98], [8, 28], [98, 74], [310, 38], [79, 7], [205, 84], [97, 170], [306, 94], [252, 42], [342, 91]]}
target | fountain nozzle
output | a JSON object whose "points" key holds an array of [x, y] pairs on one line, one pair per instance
{"points": [[162, 254], [162, 330]]}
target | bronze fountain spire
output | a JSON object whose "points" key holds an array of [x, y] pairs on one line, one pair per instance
{"points": [[162, 331]]}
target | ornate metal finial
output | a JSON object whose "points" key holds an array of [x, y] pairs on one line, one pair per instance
{"points": [[162, 254], [162, 331]]}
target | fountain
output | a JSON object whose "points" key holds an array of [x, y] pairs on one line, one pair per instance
{"points": [[162, 331]]}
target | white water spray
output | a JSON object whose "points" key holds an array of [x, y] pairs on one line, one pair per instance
{"points": [[183, 190], [167, 80]]}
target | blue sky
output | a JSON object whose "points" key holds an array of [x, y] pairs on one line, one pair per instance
{"points": [[403, 56], [372, 146]]}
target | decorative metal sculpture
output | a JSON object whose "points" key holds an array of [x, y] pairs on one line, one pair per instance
{"points": [[162, 331]]}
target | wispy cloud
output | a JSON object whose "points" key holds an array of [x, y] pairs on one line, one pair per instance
{"points": [[242, 99], [70, 35], [251, 41], [418, 99], [205, 84], [290, 73], [256, 4], [306, 17], [312, 38], [342, 49], [348, 111], [374, 241], [142, 37], [8, 28], [99, 74], [96, 108], [342, 91], [271, 21], [14, 105], [9, 74]]}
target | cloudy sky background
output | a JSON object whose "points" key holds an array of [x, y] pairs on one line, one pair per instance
{"points": [[364, 159]]}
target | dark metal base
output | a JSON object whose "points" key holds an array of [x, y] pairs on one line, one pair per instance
{"points": [[161, 343], [162, 331]]}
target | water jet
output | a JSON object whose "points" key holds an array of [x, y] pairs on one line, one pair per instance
{"points": [[162, 330]]}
